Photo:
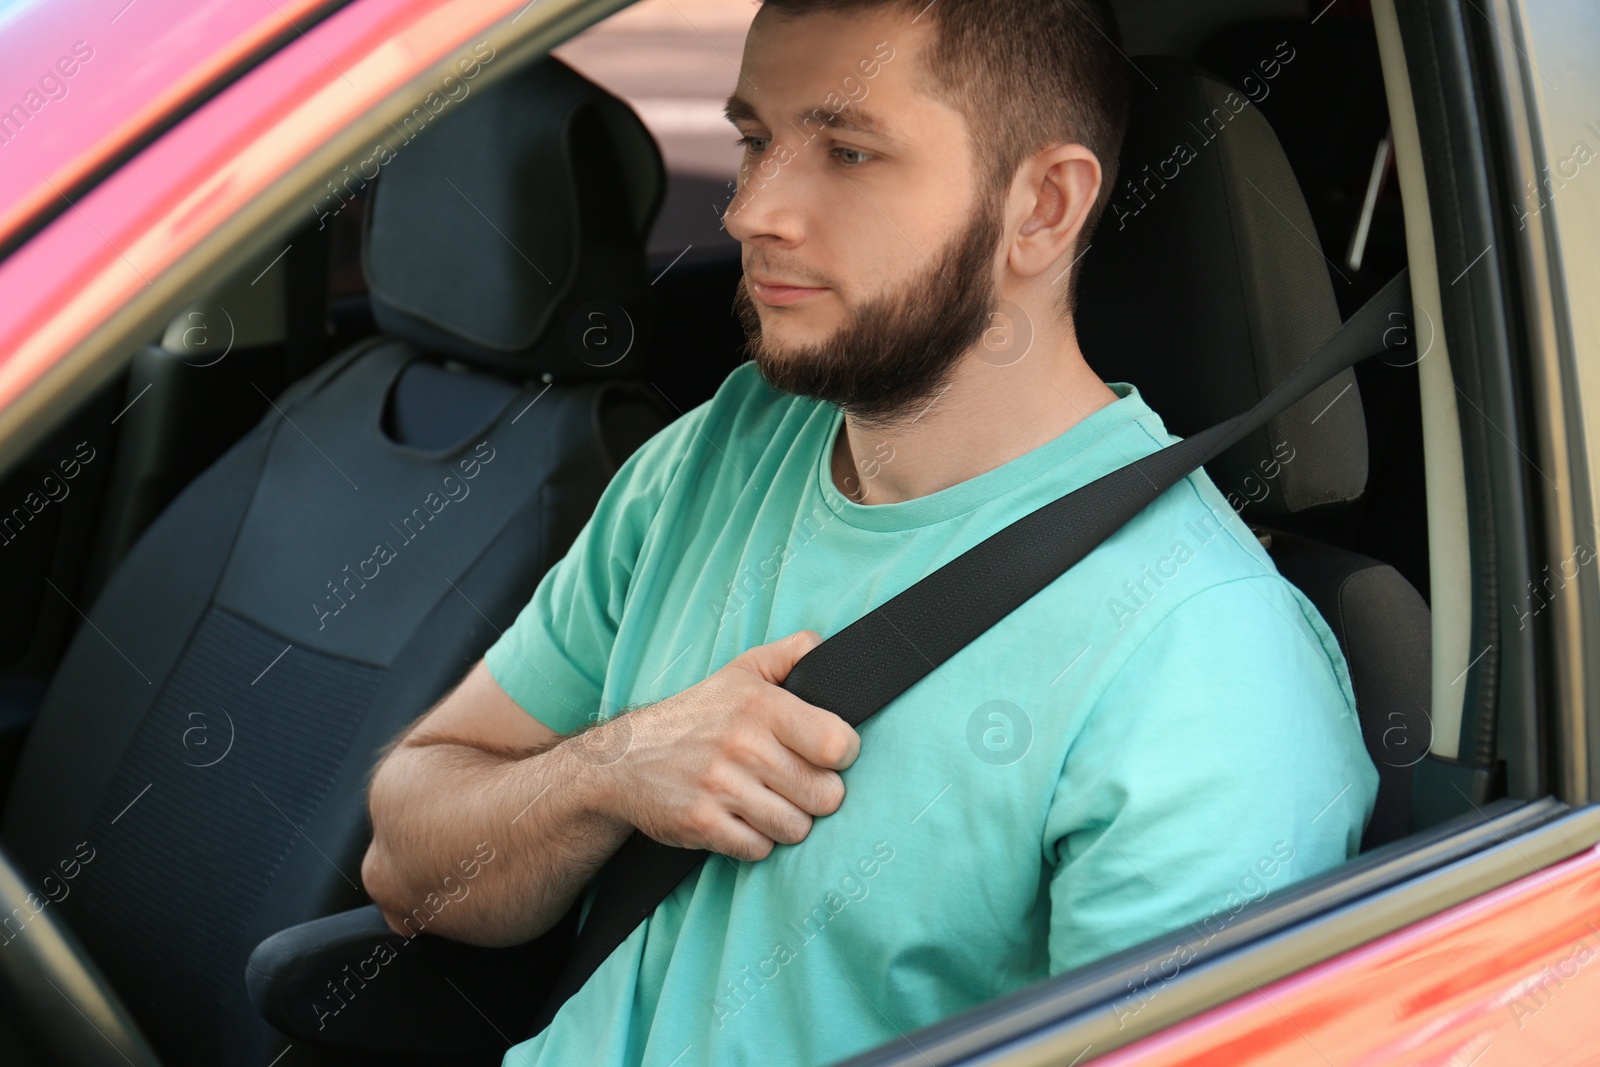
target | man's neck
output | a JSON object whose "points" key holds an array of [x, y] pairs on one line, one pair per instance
{"points": [[986, 417]]}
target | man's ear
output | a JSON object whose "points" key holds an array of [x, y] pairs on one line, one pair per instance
{"points": [[1056, 190]]}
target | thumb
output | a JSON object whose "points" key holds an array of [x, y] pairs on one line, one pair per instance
{"points": [[774, 661]]}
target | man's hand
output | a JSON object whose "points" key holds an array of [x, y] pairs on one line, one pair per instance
{"points": [[733, 764]]}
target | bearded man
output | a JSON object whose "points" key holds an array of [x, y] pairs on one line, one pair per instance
{"points": [[1165, 729]]}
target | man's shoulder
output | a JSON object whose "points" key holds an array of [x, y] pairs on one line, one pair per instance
{"points": [[1190, 568], [744, 418], [1192, 546], [1214, 590]]}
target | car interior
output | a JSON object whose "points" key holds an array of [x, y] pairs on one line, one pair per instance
{"points": [[315, 499]]}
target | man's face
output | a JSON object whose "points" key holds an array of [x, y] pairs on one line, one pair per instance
{"points": [[876, 214]]}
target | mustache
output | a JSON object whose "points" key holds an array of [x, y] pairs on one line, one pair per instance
{"points": [[797, 278]]}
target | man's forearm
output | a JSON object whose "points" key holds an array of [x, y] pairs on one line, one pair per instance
{"points": [[439, 808]]}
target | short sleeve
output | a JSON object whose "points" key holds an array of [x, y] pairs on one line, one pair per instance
{"points": [[1223, 761], [552, 660]]}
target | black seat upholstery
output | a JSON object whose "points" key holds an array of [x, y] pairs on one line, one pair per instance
{"points": [[1204, 285], [1383, 628], [209, 734]]}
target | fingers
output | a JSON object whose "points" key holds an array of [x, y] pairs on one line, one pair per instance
{"points": [[723, 831], [819, 737], [755, 764], [751, 827], [814, 790], [772, 816], [736, 790], [774, 661]]}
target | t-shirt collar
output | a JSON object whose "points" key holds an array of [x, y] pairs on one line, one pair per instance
{"points": [[965, 496]]}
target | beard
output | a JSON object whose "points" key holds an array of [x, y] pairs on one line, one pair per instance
{"points": [[895, 354]]}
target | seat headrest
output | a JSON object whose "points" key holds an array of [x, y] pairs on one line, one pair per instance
{"points": [[510, 232], [1205, 285]]}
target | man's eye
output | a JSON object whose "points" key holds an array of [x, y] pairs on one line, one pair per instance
{"points": [[749, 143], [861, 157]]}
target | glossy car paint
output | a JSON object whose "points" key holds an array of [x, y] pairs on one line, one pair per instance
{"points": [[88, 80], [1510, 978], [81, 269]]}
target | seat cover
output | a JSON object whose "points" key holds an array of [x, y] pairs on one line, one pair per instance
{"points": [[209, 736], [203, 750]]}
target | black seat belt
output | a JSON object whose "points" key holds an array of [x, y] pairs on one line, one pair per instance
{"points": [[869, 663]]}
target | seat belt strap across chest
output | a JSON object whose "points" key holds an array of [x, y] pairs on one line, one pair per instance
{"points": [[869, 663]]}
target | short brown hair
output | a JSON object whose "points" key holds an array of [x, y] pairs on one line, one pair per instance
{"points": [[1025, 74]]}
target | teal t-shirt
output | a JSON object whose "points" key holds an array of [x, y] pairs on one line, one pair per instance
{"points": [[1165, 732]]}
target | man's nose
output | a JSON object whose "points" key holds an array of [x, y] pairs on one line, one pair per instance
{"points": [[769, 200]]}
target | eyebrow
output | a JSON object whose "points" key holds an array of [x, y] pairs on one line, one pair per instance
{"points": [[853, 118]]}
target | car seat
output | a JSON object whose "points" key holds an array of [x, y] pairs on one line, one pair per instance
{"points": [[209, 734]]}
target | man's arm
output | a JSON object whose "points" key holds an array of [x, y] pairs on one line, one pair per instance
{"points": [[733, 764], [477, 771]]}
